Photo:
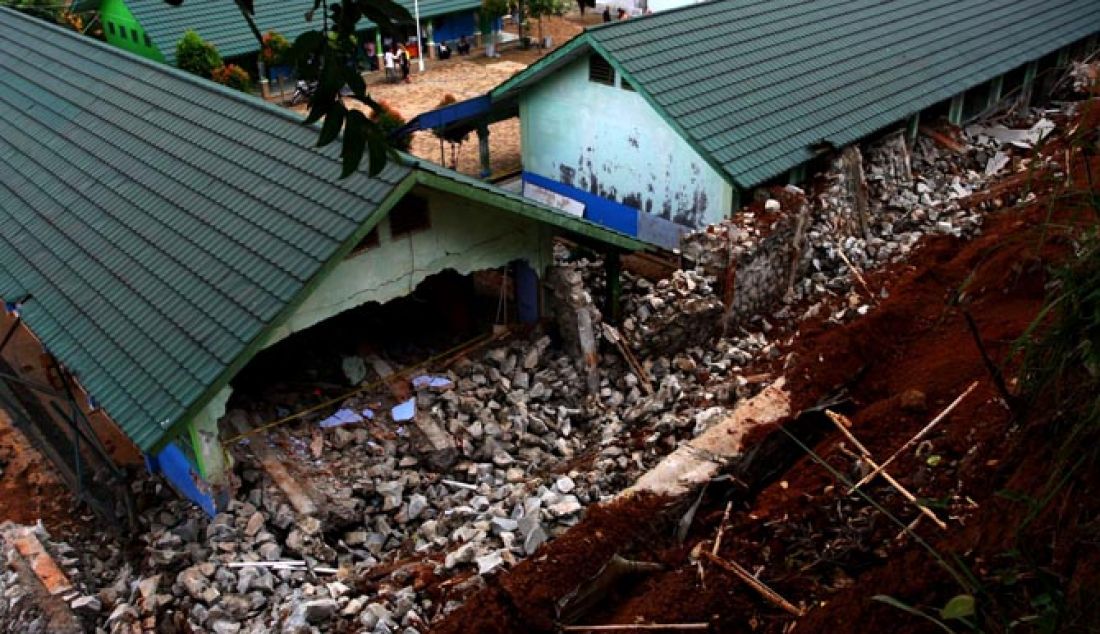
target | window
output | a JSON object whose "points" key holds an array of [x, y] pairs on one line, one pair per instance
{"points": [[122, 31], [111, 27], [133, 35], [369, 241], [625, 85], [148, 42], [410, 215], [600, 71]]}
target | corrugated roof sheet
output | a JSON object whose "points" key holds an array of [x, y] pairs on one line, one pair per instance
{"points": [[161, 223], [754, 85], [220, 22]]}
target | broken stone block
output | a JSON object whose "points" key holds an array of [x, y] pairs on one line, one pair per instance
{"points": [[86, 606], [319, 610]]}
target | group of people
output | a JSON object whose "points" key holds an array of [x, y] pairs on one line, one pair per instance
{"points": [[396, 60], [396, 57]]}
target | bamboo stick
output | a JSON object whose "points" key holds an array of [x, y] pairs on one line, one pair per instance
{"points": [[915, 439], [734, 568], [839, 421]]}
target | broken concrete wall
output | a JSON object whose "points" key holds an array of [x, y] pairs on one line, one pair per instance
{"points": [[463, 237], [607, 141]]}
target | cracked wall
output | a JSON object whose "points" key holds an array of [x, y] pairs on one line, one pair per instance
{"points": [[609, 142], [464, 236]]}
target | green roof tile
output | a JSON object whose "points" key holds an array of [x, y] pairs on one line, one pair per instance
{"points": [[162, 223], [754, 85], [220, 22]]}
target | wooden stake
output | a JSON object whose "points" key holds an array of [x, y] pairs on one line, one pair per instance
{"points": [[735, 569], [840, 421], [613, 335], [635, 626], [915, 439], [857, 274]]}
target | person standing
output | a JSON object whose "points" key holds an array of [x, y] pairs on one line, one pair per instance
{"points": [[403, 61], [582, 4], [606, 14], [389, 60]]}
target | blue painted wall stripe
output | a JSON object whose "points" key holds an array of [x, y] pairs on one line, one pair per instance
{"points": [[653, 229]]}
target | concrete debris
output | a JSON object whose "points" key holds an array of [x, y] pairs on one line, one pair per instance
{"points": [[485, 459]]}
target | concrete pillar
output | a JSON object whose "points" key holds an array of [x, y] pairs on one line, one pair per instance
{"points": [[483, 150], [613, 266], [1028, 86], [207, 447], [527, 293], [431, 51], [912, 128], [378, 48], [955, 113], [996, 87]]}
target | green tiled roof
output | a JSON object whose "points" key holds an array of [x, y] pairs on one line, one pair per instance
{"points": [[753, 86], [220, 22], [162, 224]]}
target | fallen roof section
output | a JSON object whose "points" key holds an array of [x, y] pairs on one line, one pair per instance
{"points": [[162, 224], [220, 23], [756, 87]]}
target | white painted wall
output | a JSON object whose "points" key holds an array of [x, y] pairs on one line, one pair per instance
{"points": [[608, 141], [464, 237]]}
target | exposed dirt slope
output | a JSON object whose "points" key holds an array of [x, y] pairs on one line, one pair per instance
{"points": [[830, 552]]}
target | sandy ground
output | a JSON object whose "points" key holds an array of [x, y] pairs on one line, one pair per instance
{"points": [[464, 78]]}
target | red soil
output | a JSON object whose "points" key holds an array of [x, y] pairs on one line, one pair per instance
{"points": [[830, 552]]}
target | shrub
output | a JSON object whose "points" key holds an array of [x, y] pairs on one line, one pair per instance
{"points": [[233, 76], [197, 56], [389, 120], [276, 48]]}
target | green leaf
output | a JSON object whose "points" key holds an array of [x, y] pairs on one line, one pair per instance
{"points": [[891, 601], [958, 607], [387, 14], [378, 147], [334, 122], [355, 141], [355, 82]]}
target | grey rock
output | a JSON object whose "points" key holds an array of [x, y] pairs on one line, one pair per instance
{"points": [[417, 505], [319, 610]]}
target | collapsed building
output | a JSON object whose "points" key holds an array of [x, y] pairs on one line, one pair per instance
{"points": [[665, 123], [159, 232]]}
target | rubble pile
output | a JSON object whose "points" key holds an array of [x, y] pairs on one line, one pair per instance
{"points": [[533, 432]]}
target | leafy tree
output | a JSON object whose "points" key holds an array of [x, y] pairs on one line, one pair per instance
{"points": [[233, 76], [539, 8], [276, 49], [327, 56], [491, 10], [197, 56]]}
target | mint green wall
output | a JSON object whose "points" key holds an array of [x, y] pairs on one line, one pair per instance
{"points": [[116, 16], [465, 236], [608, 141]]}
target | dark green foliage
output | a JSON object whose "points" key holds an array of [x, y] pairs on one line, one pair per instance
{"points": [[327, 56], [197, 56]]}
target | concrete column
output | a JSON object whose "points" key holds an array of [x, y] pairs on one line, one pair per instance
{"points": [[955, 113], [912, 128], [431, 40], [527, 293], [207, 447], [483, 150], [378, 48], [1028, 87], [613, 287], [996, 87]]}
